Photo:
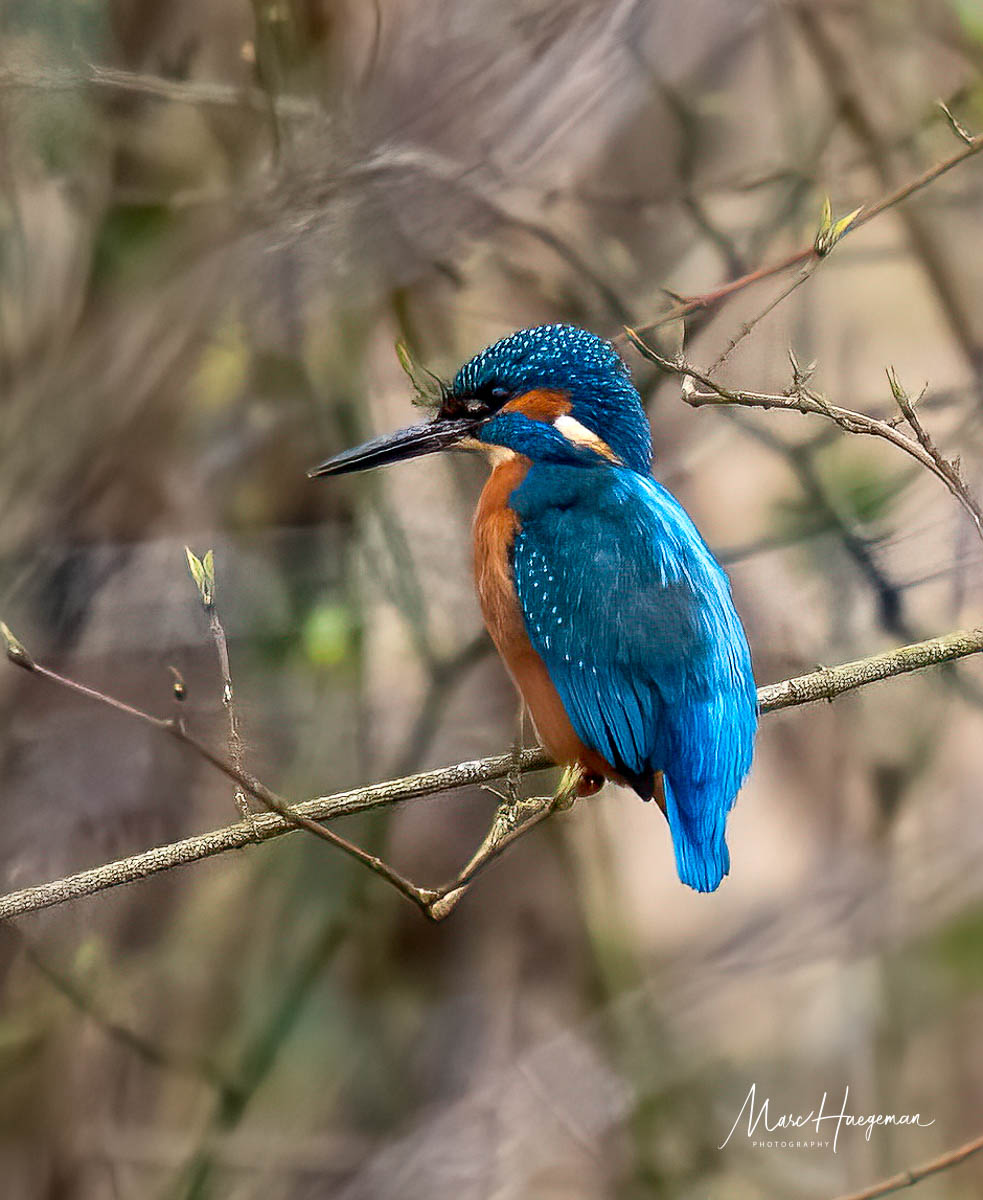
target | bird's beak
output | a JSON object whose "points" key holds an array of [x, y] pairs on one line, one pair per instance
{"points": [[442, 433]]}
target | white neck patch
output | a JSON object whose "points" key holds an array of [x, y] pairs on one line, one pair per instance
{"points": [[580, 435]]}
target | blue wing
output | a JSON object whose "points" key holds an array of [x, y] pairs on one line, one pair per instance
{"points": [[633, 617]]}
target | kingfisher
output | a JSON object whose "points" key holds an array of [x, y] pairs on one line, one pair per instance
{"points": [[612, 616]]}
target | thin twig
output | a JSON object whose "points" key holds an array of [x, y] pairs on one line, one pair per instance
{"points": [[708, 300], [500, 836], [846, 82], [269, 799], [203, 573], [958, 128], [513, 820], [906, 1179], [948, 469], [748, 327], [819, 685], [422, 897], [800, 398], [228, 700]]}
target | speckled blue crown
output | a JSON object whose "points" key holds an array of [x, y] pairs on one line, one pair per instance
{"points": [[572, 360]]}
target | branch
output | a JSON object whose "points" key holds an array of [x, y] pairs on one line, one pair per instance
{"points": [[294, 816], [824, 684], [513, 819], [948, 469], [809, 254], [800, 398], [846, 79], [749, 326], [203, 573], [906, 1179], [829, 682]]}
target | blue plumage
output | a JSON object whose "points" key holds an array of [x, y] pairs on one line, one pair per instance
{"points": [[634, 620], [624, 602]]}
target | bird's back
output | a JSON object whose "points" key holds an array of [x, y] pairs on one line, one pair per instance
{"points": [[634, 621]]}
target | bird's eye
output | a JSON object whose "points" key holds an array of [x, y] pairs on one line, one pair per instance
{"points": [[500, 393]]}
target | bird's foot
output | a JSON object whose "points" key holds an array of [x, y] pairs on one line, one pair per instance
{"points": [[513, 817], [569, 788], [515, 811]]}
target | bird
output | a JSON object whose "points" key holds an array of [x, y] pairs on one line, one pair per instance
{"points": [[610, 612]]}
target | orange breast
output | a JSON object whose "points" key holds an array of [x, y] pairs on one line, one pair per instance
{"points": [[495, 527]]}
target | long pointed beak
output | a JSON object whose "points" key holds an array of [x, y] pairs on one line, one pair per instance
{"points": [[439, 434]]}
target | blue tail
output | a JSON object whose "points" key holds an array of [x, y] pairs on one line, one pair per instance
{"points": [[702, 857]]}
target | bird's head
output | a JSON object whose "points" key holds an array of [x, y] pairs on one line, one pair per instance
{"points": [[554, 393]]}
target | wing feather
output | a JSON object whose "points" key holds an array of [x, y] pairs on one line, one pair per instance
{"points": [[634, 620]]}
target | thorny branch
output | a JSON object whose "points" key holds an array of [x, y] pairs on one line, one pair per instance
{"points": [[824, 684], [801, 398]]}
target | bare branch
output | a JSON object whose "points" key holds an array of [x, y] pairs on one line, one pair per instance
{"points": [[513, 820], [275, 804], [819, 685], [906, 1179], [830, 682], [748, 327], [203, 573], [958, 128], [800, 398], [846, 81], [948, 469], [808, 254]]}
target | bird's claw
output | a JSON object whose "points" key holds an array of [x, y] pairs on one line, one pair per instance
{"points": [[515, 812]]}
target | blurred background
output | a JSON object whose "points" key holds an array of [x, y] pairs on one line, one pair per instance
{"points": [[216, 219]]}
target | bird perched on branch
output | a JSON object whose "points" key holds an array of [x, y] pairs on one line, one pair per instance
{"points": [[608, 609]]}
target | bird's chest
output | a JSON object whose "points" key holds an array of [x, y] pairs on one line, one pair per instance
{"points": [[495, 529]]}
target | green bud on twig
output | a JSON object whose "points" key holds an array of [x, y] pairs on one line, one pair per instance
{"points": [[957, 126], [830, 231], [428, 390], [14, 649], [897, 391], [801, 374], [203, 573], [567, 789]]}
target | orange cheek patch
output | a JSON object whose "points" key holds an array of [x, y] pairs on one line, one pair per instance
{"points": [[541, 404]]}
